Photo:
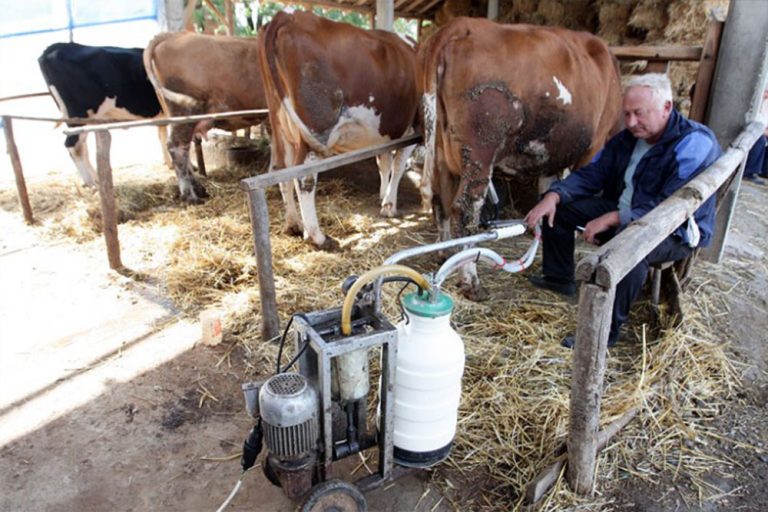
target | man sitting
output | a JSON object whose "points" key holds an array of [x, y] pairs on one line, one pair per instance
{"points": [[656, 154]]}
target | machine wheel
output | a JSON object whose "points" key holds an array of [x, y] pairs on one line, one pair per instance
{"points": [[334, 496]]}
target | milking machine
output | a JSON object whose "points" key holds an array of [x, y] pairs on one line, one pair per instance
{"points": [[315, 416]]}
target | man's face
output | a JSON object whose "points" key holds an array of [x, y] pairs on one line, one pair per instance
{"points": [[642, 116]]}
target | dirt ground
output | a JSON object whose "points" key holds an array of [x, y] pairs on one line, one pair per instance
{"points": [[110, 402]]}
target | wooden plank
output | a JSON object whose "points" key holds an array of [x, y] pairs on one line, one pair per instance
{"points": [[107, 199], [164, 121], [299, 171], [24, 96], [544, 481], [427, 7], [623, 252], [257, 207], [595, 311], [706, 71], [18, 172], [674, 53]]}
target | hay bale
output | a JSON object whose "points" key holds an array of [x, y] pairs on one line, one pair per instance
{"points": [[688, 20], [613, 20], [453, 9], [650, 17]]}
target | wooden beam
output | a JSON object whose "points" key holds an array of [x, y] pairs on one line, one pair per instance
{"points": [[547, 478], [326, 164], [107, 199], [427, 7], [24, 96], [259, 212], [415, 4], [189, 12], [328, 4], [18, 173], [669, 53], [595, 312], [222, 19], [706, 72], [165, 121]]}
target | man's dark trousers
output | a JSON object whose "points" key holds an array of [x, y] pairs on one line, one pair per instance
{"points": [[559, 244]]}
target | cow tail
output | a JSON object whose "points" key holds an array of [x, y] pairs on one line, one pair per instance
{"points": [[162, 92], [274, 87], [433, 65], [267, 52]]}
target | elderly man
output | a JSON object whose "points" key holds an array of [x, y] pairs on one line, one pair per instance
{"points": [[657, 153]]}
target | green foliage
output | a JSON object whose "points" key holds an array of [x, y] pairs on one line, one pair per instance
{"points": [[246, 19]]}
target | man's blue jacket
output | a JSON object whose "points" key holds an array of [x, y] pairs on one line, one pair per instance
{"points": [[684, 150]]}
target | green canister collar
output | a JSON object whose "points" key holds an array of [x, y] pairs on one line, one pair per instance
{"points": [[419, 304]]}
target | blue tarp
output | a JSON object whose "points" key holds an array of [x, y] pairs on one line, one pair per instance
{"points": [[23, 17]]}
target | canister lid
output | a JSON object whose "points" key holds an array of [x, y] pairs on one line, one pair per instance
{"points": [[421, 305]]}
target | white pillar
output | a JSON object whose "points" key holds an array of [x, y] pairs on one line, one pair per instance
{"points": [[740, 75], [385, 14], [171, 15], [493, 10]]}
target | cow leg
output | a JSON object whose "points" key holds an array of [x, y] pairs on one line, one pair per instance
{"points": [[389, 202], [282, 155], [162, 134], [466, 209], [384, 161], [78, 150], [469, 282], [181, 138], [545, 182], [293, 225], [305, 189]]}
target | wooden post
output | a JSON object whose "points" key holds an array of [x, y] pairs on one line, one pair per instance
{"points": [[21, 185], [257, 206], [595, 311], [107, 197], [706, 72]]}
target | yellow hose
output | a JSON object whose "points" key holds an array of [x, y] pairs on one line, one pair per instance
{"points": [[349, 299]]}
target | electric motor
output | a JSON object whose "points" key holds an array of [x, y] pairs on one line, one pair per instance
{"points": [[289, 411]]}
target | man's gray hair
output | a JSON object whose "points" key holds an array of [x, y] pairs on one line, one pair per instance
{"points": [[658, 83]]}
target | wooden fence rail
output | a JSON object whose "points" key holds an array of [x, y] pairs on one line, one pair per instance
{"points": [[600, 273], [257, 204], [104, 169]]}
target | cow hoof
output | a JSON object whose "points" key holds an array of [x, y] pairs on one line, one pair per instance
{"points": [[329, 245], [388, 211], [293, 230], [475, 294]]}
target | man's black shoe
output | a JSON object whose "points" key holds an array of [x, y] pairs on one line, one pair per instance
{"points": [[548, 283], [570, 341]]}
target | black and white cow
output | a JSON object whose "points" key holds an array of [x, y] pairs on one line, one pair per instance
{"points": [[99, 82]]}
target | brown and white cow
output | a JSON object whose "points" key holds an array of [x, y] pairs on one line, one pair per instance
{"points": [[533, 100], [201, 74], [333, 88]]}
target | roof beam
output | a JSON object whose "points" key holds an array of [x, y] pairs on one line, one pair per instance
{"points": [[430, 5]]}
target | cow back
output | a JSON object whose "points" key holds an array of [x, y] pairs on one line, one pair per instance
{"points": [[321, 69], [84, 76], [201, 73]]}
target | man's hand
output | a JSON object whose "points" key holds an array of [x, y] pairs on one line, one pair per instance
{"points": [[545, 208], [600, 224]]}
